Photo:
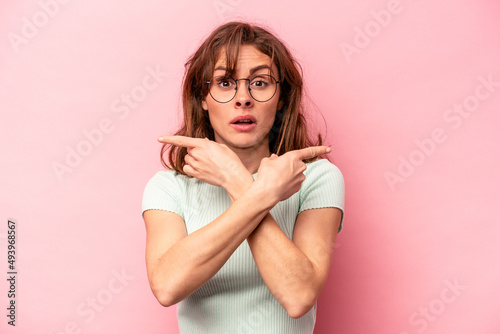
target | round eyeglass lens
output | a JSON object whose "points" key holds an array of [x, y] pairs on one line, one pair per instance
{"points": [[222, 88], [262, 87]]}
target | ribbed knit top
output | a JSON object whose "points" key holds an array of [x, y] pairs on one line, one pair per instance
{"points": [[236, 299]]}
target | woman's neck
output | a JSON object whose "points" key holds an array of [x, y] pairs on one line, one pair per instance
{"points": [[251, 158]]}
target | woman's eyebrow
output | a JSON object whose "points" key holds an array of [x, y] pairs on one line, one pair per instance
{"points": [[221, 68], [252, 70], [257, 68]]}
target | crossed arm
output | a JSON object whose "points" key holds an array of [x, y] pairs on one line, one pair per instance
{"points": [[295, 271]]}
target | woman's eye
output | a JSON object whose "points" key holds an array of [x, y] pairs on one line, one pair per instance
{"points": [[225, 83], [258, 83]]}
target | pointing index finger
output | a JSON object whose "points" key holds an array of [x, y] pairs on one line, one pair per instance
{"points": [[313, 151], [181, 141]]}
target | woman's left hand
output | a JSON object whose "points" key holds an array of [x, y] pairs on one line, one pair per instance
{"points": [[209, 161]]}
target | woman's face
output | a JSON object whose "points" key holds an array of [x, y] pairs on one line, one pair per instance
{"points": [[252, 133]]}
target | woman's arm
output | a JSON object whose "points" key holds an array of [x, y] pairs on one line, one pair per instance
{"points": [[177, 263], [295, 271]]}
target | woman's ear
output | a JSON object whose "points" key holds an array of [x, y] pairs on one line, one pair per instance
{"points": [[204, 105]]}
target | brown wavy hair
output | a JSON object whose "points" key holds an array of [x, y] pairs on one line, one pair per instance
{"points": [[289, 131]]}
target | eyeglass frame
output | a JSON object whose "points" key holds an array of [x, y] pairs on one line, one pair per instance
{"points": [[236, 88]]}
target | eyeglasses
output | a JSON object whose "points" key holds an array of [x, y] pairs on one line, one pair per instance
{"points": [[223, 88]]}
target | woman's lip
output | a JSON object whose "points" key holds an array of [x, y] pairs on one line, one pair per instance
{"points": [[244, 118], [243, 126]]}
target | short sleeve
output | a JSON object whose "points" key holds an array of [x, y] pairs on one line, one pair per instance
{"points": [[163, 192], [322, 188]]}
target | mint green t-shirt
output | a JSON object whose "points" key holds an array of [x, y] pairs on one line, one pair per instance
{"points": [[236, 299]]}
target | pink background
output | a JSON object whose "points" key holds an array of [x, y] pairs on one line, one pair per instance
{"points": [[419, 251]]}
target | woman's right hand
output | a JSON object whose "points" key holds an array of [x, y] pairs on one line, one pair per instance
{"points": [[282, 176], [209, 161]]}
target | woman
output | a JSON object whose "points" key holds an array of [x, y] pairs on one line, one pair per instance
{"points": [[239, 233]]}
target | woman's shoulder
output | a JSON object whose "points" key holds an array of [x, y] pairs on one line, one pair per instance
{"points": [[169, 174], [168, 179], [322, 167], [164, 191]]}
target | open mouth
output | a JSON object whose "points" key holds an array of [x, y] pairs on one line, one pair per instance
{"points": [[244, 121]]}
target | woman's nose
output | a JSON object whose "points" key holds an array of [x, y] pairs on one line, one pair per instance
{"points": [[243, 97]]}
